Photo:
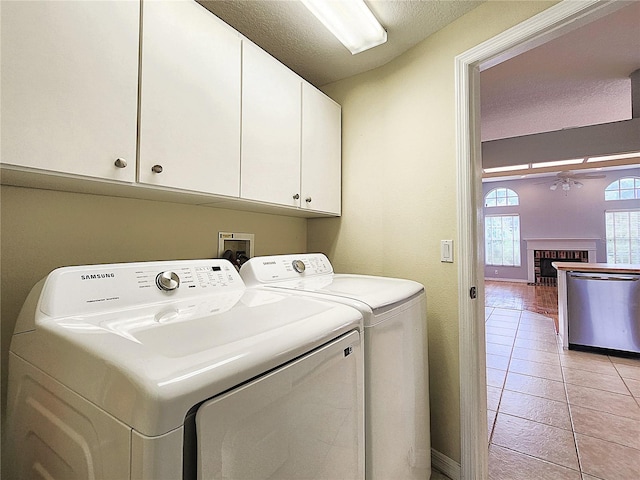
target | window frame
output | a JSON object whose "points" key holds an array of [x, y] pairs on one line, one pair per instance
{"points": [[516, 256], [629, 242], [509, 194], [618, 189]]}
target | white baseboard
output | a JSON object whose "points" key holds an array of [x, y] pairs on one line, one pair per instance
{"points": [[444, 464], [515, 280]]}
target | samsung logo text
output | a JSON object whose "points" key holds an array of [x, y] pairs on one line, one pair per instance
{"points": [[97, 276]]}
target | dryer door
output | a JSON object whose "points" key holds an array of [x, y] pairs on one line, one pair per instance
{"points": [[304, 420]]}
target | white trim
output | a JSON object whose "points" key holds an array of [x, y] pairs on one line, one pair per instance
{"points": [[550, 23], [501, 279], [445, 465]]}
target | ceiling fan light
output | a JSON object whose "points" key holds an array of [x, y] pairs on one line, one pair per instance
{"points": [[566, 187], [350, 21], [553, 187], [578, 184]]}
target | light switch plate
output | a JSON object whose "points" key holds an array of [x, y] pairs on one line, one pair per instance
{"points": [[446, 251]]}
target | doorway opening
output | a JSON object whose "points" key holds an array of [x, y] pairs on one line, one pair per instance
{"points": [[541, 28]]}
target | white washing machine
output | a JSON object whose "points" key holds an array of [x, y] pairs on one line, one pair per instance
{"points": [[176, 370], [397, 424]]}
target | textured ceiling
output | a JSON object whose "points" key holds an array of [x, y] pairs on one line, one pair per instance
{"points": [[289, 32], [578, 79]]}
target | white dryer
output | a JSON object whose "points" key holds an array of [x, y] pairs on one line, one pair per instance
{"points": [[176, 370], [397, 424]]}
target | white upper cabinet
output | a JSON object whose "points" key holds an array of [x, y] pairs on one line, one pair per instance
{"points": [[190, 99], [69, 86], [321, 152], [175, 100], [271, 119]]}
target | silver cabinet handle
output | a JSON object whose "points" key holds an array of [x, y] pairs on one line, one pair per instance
{"points": [[308, 199], [156, 169], [296, 196], [120, 163]]}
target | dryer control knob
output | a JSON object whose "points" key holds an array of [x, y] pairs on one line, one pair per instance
{"points": [[168, 281], [298, 266]]}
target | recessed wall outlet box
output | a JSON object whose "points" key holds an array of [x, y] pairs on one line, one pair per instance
{"points": [[235, 246], [446, 251]]}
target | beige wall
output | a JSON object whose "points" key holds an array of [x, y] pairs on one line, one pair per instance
{"points": [[42, 230], [399, 187], [399, 201]]}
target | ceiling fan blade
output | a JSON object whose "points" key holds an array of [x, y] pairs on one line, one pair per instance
{"points": [[589, 175]]}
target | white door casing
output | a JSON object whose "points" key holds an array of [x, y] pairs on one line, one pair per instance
{"points": [[551, 23]]}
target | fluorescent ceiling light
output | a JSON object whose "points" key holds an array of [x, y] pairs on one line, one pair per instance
{"points": [[557, 163], [350, 21], [606, 158], [505, 169]]}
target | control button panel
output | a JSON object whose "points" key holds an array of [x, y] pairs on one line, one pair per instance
{"points": [[96, 288], [261, 270]]}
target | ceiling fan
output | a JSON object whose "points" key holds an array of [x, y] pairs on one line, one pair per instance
{"points": [[568, 179]]}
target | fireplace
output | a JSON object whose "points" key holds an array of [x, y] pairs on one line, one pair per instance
{"points": [[545, 273], [542, 252]]}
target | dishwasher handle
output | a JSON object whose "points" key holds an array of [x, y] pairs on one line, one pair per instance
{"points": [[607, 277]]}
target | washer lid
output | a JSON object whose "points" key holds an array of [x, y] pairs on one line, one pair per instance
{"points": [[376, 292], [148, 365], [318, 277]]}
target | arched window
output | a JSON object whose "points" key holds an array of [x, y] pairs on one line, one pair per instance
{"points": [[501, 197], [627, 188], [502, 231]]}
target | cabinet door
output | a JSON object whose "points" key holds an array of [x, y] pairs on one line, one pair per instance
{"points": [[190, 99], [321, 152], [70, 86], [270, 129]]}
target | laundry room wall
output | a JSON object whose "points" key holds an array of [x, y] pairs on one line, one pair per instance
{"points": [[399, 187], [42, 230]]}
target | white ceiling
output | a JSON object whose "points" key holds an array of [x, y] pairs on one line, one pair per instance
{"points": [[580, 78], [289, 32]]}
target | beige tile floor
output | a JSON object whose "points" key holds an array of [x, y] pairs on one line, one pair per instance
{"points": [[557, 414]]}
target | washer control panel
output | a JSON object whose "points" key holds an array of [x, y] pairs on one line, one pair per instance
{"points": [[96, 288], [261, 270]]}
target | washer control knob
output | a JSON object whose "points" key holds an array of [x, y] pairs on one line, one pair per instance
{"points": [[168, 281], [298, 266]]}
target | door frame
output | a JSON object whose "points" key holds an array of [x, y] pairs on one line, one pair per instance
{"points": [[539, 29]]}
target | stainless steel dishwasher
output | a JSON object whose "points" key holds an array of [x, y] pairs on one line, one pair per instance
{"points": [[604, 311]]}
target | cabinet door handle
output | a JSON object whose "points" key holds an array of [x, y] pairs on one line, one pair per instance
{"points": [[296, 196], [156, 169], [120, 163], [308, 199]]}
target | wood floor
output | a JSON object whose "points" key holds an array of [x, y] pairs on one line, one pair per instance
{"points": [[522, 296]]}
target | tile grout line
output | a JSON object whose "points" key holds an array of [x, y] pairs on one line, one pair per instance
{"points": [[504, 381], [637, 400], [573, 427], [579, 471]]}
